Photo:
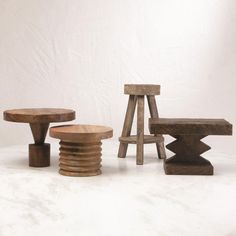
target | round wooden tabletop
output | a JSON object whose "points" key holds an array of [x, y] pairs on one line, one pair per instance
{"points": [[39, 115], [81, 133]]}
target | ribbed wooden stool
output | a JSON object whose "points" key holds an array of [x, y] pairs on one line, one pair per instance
{"points": [[136, 93], [80, 148]]}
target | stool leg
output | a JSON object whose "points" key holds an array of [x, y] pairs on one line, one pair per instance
{"points": [[39, 152], [127, 125], [39, 132], [154, 114], [140, 130]]}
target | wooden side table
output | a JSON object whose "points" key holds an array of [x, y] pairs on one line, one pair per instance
{"points": [[39, 119], [136, 93], [187, 146], [80, 148]]}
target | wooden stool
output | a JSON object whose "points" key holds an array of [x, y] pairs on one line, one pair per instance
{"points": [[187, 146], [80, 148], [136, 95], [39, 119]]}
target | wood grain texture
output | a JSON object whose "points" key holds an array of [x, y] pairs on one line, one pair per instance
{"points": [[80, 159], [39, 115], [154, 114], [152, 106], [80, 148], [39, 131], [129, 116], [142, 89], [187, 159], [146, 139], [188, 146], [140, 130], [81, 133], [39, 119], [181, 168], [138, 92], [39, 155], [190, 126]]}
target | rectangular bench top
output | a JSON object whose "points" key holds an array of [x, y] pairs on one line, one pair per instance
{"points": [[183, 126]]}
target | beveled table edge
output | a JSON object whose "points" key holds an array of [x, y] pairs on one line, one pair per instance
{"points": [[81, 137], [69, 115]]}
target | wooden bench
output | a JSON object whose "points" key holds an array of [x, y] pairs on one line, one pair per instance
{"points": [[187, 146]]}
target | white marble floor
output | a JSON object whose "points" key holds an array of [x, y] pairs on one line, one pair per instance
{"points": [[125, 200]]}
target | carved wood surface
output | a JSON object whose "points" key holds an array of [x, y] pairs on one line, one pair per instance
{"points": [[137, 94], [140, 130], [129, 116], [190, 126], [80, 148], [188, 146], [147, 139], [142, 89], [39, 115], [154, 114], [39, 119], [81, 133], [80, 159]]}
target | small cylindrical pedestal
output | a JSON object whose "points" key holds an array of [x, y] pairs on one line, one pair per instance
{"points": [[80, 159], [39, 155]]}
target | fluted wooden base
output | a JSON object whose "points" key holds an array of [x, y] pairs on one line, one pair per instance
{"points": [[80, 159]]}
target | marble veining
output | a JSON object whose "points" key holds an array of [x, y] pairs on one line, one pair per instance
{"points": [[125, 200]]}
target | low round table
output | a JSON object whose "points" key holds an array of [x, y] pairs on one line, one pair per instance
{"points": [[80, 148], [39, 119]]}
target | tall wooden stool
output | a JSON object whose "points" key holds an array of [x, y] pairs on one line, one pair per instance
{"points": [[136, 94]]}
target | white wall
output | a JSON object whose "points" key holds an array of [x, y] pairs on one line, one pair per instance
{"points": [[79, 53]]}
